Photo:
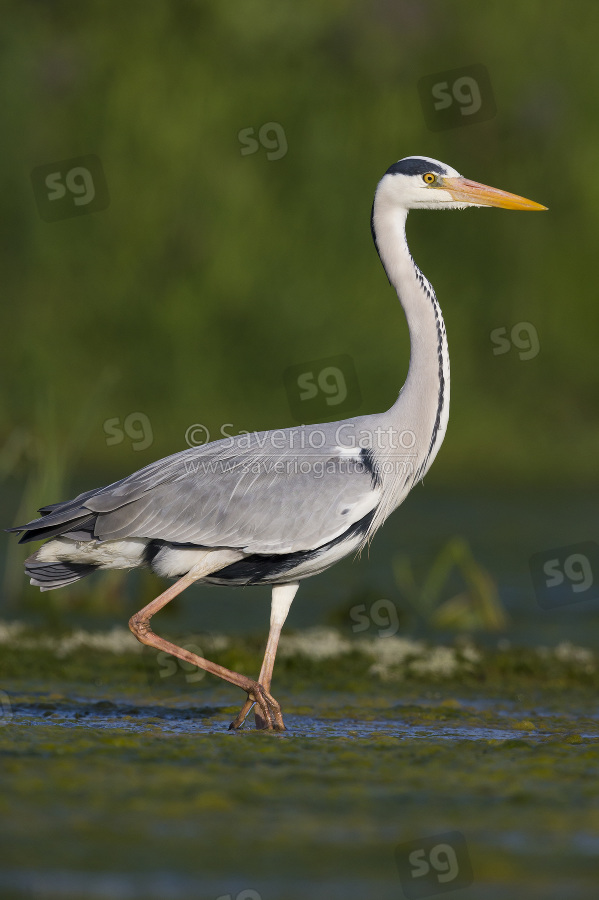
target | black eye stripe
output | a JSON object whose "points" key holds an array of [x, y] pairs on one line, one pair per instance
{"points": [[414, 166]]}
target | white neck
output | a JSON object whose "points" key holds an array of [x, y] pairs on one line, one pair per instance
{"points": [[422, 407]]}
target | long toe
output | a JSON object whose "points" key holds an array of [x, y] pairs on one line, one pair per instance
{"points": [[275, 713], [268, 716], [239, 721]]}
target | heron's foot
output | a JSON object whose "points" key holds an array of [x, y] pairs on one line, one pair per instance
{"points": [[269, 717]]}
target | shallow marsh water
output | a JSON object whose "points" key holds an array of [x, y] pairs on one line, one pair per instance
{"points": [[117, 783], [114, 787]]}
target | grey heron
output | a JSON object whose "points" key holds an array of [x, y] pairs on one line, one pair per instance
{"points": [[275, 507]]}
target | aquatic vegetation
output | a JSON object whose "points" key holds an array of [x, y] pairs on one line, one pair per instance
{"points": [[155, 798], [323, 654], [567, 652], [388, 738], [477, 607]]}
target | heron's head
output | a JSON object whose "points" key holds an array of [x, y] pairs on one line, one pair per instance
{"points": [[418, 182]]}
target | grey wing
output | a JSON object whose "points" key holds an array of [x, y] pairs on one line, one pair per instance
{"points": [[237, 495]]}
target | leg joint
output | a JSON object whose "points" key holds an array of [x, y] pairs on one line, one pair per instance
{"points": [[139, 627]]}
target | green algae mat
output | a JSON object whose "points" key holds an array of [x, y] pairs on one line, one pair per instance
{"points": [[408, 769]]}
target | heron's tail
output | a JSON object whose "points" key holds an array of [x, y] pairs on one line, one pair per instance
{"points": [[50, 575]]}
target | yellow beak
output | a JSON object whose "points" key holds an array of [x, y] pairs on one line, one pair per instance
{"points": [[462, 189]]}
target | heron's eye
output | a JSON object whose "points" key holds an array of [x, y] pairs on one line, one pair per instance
{"points": [[429, 178]]}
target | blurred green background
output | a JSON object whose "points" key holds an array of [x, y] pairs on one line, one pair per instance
{"points": [[213, 270], [210, 273]]}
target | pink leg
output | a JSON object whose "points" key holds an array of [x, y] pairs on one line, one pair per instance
{"points": [[140, 626], [282, 597]]}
